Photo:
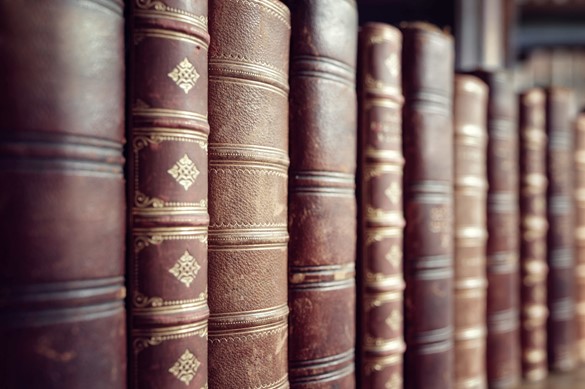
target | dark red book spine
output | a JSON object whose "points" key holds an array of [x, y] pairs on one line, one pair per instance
{"points": [[502, 251], [62, 202], [167, 194], [381, 220], [427, 130], [560, 238]]}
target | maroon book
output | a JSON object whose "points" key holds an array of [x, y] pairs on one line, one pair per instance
{"points": [[380, 221], [167, 194], [427, 130], [62, 203], [502, 250]]}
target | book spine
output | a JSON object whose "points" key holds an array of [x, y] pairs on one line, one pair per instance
{"points": [[560, 250], [533, 229], [167, 193], [248, 171], [470, 192], [322, 202], [62, 203], [427, 130], [579, 181], [502, 251], [380, 216]]}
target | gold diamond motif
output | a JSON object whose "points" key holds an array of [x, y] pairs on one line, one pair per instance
{"points": [[392, 64], [393, 192], [395, 382], [184, 75], [394, 320], [184, 171], [185, 368], [185, 269], [394, 256]]}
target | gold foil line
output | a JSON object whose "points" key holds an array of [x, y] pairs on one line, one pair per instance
{"points": [[171, 35], [243, 81]]}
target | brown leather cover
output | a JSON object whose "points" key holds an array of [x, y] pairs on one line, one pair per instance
{"points": [[579, 182], [167, 196], [248, 166], [381, 221], [322, 204], [560, 237], [533, 227], [62, 204], [470, 192], [502, 251], [427, 81]]}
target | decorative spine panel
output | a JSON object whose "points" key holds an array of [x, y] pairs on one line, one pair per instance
{"points": [[167, 196], [533, 229], [248, 171], [381, 221]]}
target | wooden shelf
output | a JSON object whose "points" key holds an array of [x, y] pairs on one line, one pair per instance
{"points": [[575, 380]]}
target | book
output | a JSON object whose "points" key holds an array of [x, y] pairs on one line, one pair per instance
{"points": [[533, 229], [62, 203], [427, 131], [502, 250], [560, 238], [470, 234], [579, 190], [248, 171], [380, 215], [167, 194], [322, 201]]}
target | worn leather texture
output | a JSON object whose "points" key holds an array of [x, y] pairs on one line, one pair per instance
{"points": [[248, 170], [533, 229], [579, 189], [470, 193], [560, 238], [381, 220], [322, 204], [62, 204], [502, 251], [167, 194], [427, 82]]}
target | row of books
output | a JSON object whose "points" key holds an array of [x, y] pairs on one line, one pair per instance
{"points": [[298, 203]]}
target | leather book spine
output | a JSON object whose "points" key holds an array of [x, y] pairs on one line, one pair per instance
{"points": [[380, 215], [322, 201], [560, 237], [533, 229], [470, 193], [248, 172], [427, 130], [502, 251], [62, 203], [579, 190], [167, 194]]}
